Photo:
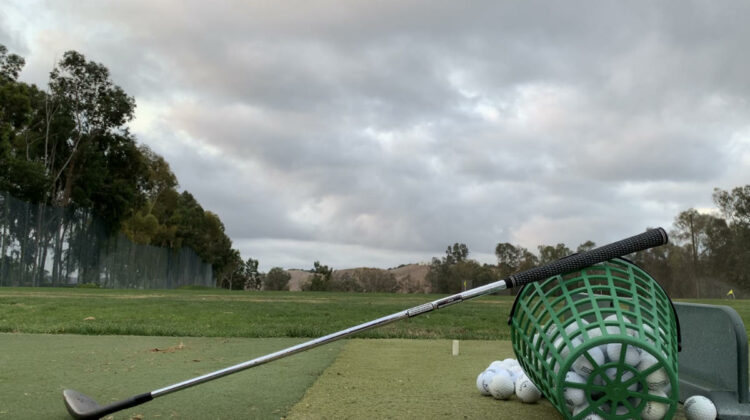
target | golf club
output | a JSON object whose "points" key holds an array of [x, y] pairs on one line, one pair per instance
{"points": [[82, 407]]}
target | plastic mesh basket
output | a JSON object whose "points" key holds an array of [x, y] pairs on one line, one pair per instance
{"points": [[602, 341]]}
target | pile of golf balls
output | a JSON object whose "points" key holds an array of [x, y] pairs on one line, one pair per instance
{"points": [[626, 360], [504, 378]]}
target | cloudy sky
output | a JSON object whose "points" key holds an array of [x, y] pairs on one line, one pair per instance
{"points": [[378, 133]]}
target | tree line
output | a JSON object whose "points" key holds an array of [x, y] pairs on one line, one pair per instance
{"points": [[69, 147], [708, 255]]}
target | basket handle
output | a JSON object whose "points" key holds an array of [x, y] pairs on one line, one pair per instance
{"points": [[575, 262]]}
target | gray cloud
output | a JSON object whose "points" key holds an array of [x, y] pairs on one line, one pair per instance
{"points": [[396, 128]]}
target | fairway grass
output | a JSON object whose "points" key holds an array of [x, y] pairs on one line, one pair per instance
{"points": [[223, 313], [34, 370]]}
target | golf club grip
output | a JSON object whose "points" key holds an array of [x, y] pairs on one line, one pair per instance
{"points": [[646, 240]]}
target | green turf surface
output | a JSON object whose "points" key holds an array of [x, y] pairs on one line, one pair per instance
{"points": [[223, 313], [34, 369], [405, 379]]}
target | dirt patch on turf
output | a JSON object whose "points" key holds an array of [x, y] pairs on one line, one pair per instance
{"points": [[171, 349]]}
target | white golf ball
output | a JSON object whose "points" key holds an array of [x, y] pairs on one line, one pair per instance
{"points": [[658, 379], [649, 335], [501, 386], [612, 329], [497, 364], [486, 377], [591, 416], [647, 360], [632, 356], [562, 347], [583, 365], [654, 410], [480, 384], [574, 396], [624, 377], [571, 330], [526, 391], [516, 372], [510, 362], [699, 407]]}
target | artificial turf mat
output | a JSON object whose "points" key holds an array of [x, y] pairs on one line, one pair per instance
{"points": [[414, 379], [407, 379], [35, 368]]}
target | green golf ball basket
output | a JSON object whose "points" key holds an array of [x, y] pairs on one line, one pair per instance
{"points": [[602, 340]]}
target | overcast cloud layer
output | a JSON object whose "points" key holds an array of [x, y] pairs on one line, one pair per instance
{"points": [[378, 133]]}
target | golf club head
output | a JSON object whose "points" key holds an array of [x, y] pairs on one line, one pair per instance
{"points": [[80, 406], [83, 407]]}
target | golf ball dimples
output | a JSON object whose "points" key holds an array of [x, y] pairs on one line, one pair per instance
{"points": [[654, 410], [526, 391], [699, 407], [501, 386]]}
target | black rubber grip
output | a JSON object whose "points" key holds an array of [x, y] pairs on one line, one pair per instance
{"points": [[646, 240]]}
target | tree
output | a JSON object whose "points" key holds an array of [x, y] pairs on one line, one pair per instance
{"points": [[456, 272], [321, 278], [548, 253], [512, 259], [253, 278], [276, 279], [97, 108], [586, 246]]}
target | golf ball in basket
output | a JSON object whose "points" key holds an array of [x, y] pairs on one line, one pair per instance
{"points": [[574, 327], [654, 410], [632, 356], [563, 348], [501, 385], [574, 396], [591, 416], [583, 365], [658, 379], [699, 407], [526, 391]]}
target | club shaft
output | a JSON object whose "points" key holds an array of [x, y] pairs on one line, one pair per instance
{"points": [[409, 313]]}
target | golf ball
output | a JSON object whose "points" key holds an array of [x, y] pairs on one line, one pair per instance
{"points": [[699, 407], [501, 385], [526, 391], [574, 396], [486, 377], [583, 366], [658, 379], [480, 384], [571, 330], [516, 372], [612, 329], [614, 353], [647, 360], [591, 416], [654, 410], [563, 348]]}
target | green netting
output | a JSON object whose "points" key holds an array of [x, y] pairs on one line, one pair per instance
{"points": [[50, 246], [614, 328]]}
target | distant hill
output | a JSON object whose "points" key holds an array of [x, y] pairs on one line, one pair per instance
{"points": [[410, 277]]}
